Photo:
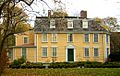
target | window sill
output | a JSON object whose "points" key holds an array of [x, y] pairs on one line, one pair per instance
{"points": [[69, 42], [95, 42], [44, 41], [54, 56], [86, 57], [96, 56], [54, 42], [44, 57]]}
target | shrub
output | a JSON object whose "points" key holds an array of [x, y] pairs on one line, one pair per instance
{"points": [[17, 63]]}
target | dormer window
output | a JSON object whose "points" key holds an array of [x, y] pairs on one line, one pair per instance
{"points": [[85, 24], [70, 24], [52, 23]]}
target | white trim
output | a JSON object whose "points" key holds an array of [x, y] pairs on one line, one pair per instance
{"points": [[88, 50], [85, 23], [26, 52], [52, 22], [72, 37], [69, 21], [27, 39], [98, 52], [53, 37], [98, 38], [70, 47], [52, 51], [46, 37], [46, 51], [88, 38]]}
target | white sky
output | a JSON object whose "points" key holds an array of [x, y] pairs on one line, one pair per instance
{"points": [[94, 8]]}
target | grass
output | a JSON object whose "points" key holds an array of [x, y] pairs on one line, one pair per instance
{"points": [[63, 72]]}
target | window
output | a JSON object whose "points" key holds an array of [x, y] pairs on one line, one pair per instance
{"points": [[54, 51], [54, 37], [70, 37], [44, 51], [95, 37], [70, 24], [24, 52], [107, 52], [96, 53], [107, 38], [86, 37], [85, 23], [44, 37], [86, 52], [26, 40], [10, 54], [52, 23]]}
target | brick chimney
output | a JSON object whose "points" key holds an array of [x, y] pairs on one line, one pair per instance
{"points": [[49, 13], [83, 14]]}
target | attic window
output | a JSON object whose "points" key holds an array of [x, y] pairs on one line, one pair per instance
{"points": [[70, 24], [52, 23], [85, 24]]}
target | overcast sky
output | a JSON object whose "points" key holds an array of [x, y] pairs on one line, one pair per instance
{"points": [[94, 8]]}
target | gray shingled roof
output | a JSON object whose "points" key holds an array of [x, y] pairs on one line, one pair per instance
{"points": [[42, 24]]}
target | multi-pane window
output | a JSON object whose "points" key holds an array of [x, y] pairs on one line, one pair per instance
{"points": [[24, 52], [95, 37], [86, 52], [44, 37], [54, 51], [96, 52], [54, 37], [70, 37], [86, 37], [70, 24], [85, 24], [107, 38], [52, 23], [44, 51], [26, 39]]}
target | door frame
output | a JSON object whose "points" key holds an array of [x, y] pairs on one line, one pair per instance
{"points": [[70, 47]]}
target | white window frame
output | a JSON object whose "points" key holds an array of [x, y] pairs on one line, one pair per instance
{"points": [[52, 23], [70, 22], [46, 52], [24, 40], [85, 23], [94, 51], [88, 38], [94, 38], [88, 51], [22, 52], [52, 51], [43, 37], [53, 36], [69, 39]]}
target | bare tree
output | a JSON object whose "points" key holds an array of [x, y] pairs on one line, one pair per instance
{"points": [[8, 26]]}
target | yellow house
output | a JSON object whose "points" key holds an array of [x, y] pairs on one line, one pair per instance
{"points": [[68, 39]]}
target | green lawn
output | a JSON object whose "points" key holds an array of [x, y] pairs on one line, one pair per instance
{"points": [[64, 72]]}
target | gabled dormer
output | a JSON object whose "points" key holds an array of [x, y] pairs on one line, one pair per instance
{"points": [[70, 24], [52, 23], [85, 24]]}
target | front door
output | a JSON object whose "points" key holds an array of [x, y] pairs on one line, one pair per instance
{"points": [[70, 54]]}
